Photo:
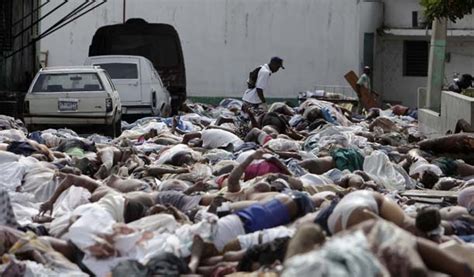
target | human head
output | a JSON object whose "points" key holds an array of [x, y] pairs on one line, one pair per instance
{"points": [[262, 187], [279, 185], [367, 69], [270, 131], [429, 178], [275, 64], [133, 210], [428, 219], [466, 199], [465, 81], [182, 158]]}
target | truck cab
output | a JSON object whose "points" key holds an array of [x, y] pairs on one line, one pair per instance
{"points": [[138, 84]]}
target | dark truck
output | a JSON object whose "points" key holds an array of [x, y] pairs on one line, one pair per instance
{"points": [[155, 41]]}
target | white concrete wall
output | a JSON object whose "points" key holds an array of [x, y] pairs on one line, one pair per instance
{"points": [[462, 57], [454, 106], [223, 40], [398, 14], [70, 45], [396, 87]]}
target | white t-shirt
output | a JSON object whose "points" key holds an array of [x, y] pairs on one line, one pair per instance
{"points": [[422, 165], [228, 228], [216, 138], [251, 95], [114, 203]]}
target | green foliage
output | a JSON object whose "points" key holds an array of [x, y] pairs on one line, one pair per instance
{"points": [[451, 9]]}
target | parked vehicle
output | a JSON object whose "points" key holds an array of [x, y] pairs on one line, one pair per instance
{"points": [[73, 96], [159, 43], [138, 84]]}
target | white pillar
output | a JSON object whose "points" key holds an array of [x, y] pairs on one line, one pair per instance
{"points": [[436, 64]]}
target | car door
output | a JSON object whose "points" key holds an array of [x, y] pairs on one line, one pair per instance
{"points": [[125, 74]]}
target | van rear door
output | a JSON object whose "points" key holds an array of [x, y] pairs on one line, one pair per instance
{"points": [[125, 73]]}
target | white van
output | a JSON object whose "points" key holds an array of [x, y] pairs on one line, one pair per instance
{"points": [[138, 83]]}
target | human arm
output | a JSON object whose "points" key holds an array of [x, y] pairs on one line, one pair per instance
{"points": [[247, 110], [233, 181], [294, 183], [292, 134], [190, 136], [157, 171], [288, 155], [200, 185], [261, 84], [279, 164], [68, 181], [260, 95]]}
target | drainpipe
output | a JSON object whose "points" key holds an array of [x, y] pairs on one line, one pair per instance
{"points": [[436, 64], [124, 10]]}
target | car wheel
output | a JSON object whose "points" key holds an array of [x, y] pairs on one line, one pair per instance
{"points": [[114, 130], [118, 127]]}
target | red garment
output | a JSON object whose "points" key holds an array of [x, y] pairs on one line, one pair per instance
{"points": [[260, 169]]}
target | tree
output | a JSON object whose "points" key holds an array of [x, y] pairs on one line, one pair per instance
{"points": [[451, 9]]}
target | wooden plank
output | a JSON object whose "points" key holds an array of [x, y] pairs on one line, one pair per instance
{"points": [[367, 98], [429, 193], [427, 200]]}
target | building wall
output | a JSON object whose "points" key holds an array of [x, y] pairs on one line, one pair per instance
{"points": [[70, 45], [398, 14], [396, 87], [223, 40], [16, 71]]}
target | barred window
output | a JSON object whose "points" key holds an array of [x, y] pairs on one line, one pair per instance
{"points": [[415, 58]]}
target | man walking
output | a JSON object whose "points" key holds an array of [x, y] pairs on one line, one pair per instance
{"points": [[258, 83], [364, 81]]}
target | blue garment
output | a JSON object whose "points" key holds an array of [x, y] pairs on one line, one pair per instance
{"points": [[295, 168], [328, 117], [21, 148], [468, 239], [259, 217], [323, 216], [302, 200], [462, 227], [182, 125], [36, 136]]}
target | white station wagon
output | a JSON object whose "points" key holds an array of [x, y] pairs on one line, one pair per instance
{"points": [[73, 96]]}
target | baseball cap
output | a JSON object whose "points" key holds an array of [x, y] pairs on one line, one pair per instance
{"points": [[277, 60]]}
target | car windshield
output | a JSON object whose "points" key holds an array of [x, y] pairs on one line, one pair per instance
{"points": [[121, 70], [66, 82]]}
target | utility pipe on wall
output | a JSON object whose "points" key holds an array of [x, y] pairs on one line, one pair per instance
{"points": [[124, 10]]}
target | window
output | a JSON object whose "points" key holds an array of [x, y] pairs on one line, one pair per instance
{"points": [[121, 70], [68, 82], [110, 81], [415, 58]]}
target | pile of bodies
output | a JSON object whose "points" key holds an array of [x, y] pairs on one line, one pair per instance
{"points": [[292, 191]]}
